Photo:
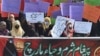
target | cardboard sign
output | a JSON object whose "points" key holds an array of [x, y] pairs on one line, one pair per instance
{"points": [[56, 13], [59, 27], [92, 2], [91, 13], [57, 2], [65, 8], [31, 7], [30, 0], [12, 6], [76, 12], [83, 27], [36, 7], [35, 17], [52, 9], [50, 1], [43, 6]]}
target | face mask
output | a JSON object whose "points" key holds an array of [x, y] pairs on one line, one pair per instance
{"points": [[17, 26], [46, 23]]}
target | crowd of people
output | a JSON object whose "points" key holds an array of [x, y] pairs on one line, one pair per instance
{"points": [[21, 28]]}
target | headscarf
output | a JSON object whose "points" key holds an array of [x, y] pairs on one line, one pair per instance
{"points": [[3, 30], [46, 23], [17, 30]]}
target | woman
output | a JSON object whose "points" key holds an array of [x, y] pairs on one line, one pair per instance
{"points": [[39, 29], [27, 27], [17, 30], [68, 32], [3, 29], [11, 18], [47, 26]]}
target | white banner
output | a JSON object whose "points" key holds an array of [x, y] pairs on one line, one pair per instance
{"points": [[35, 17], [83, 27]]}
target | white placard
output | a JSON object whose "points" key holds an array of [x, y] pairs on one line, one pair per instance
{"points": [[59, 27], [83, 27], [35, 17]]}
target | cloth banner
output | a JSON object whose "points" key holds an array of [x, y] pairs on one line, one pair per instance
{"points": [[47, 47]]}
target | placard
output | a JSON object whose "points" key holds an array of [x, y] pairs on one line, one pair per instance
{"points": [[12, 6], [31, 7], [83, 27], [36, 7], [91, 13], [76, 12], [35, 17], [51, 9], [56, 13], [59, 26], [65, 8], [92, 2]]}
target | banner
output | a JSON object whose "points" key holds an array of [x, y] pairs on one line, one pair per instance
{"points": [[91, 13], [48, 47], [35, 17], [11, 6], [83, 27], [76, 12], [59, 26]]}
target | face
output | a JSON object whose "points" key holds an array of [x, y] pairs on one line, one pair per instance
{"points": [[70, 26], [17, 26], [3, 25], [46, 22], [11, 17]]}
